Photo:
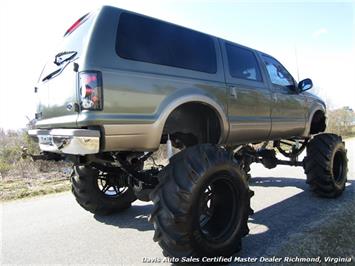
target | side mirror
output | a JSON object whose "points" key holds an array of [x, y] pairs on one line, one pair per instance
{"points": [[305, 85]]}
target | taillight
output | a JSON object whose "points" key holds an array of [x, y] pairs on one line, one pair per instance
{"points": [[90, 90]]}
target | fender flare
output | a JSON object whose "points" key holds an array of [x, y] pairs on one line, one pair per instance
{"points": [[195, 98], [310, 118]]}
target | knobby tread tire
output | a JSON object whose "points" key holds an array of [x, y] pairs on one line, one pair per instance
{"points": [[318, 165], [175, 197], [88, 195]]}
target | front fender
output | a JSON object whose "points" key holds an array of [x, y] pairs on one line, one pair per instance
{"points": [[312, 109]]}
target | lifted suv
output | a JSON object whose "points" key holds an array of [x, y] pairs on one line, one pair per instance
{"points": [[122, 83]]}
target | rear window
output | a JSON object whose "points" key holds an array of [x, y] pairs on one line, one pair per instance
{"points": [[152, 41], [73, 42], [242, 63]]}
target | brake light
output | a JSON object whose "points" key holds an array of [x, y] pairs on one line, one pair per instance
{"points": [[76, 24], [90, 90]]}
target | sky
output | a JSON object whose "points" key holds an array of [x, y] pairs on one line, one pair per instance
{"points": [[316, 36]]}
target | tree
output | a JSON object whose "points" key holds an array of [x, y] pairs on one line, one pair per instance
{"points": [[341, 121]]}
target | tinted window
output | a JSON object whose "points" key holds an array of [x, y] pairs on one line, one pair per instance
{"points": [[74, 41], [152, 41], [277, 73], [242, 63]]}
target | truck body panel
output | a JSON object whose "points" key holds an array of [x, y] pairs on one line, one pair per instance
{"points": [[139, 95]]}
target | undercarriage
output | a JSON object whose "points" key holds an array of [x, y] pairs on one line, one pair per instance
{"points": [[128, 168], [201, 194]]}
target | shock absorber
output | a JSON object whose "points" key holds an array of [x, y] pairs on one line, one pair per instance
{"points": [[169, 148]]}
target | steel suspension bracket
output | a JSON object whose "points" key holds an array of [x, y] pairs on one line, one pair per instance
{"points": [[148, 177], [248, 155], [296, 150]]}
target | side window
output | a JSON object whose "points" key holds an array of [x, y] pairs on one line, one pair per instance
{"points": [[242, 63], [152, 41], [278, 74]]}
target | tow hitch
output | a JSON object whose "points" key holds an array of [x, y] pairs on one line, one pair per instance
{"points": [[48, 156]]}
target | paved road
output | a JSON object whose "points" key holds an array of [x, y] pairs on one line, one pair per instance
{"points": [[54, 229]]}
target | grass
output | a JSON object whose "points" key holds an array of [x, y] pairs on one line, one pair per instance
{"points": [[332, 237], [21, 177], [27, 179], [18, 188], [348, 136]]}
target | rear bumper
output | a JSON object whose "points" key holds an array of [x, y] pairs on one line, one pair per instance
{"points": [[68, 141]]}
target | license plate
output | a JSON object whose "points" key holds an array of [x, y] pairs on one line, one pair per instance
{"points": [[45, 140]]}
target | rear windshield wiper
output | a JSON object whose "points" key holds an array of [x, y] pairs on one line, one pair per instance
{"points": [[51, 75], [62, 57]]}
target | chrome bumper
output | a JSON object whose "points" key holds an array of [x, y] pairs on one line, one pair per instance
{"points": [[68, 141]]}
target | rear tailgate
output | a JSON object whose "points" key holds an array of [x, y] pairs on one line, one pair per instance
{"points": [[57, 87], [57, 97]]}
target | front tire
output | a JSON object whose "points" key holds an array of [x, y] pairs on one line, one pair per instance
{"points": [[326, 165], [98, 192], [201, 205]]}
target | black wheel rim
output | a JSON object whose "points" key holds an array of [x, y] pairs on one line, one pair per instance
{"points": [[338, 166], [109, 186], [218, 208]]}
